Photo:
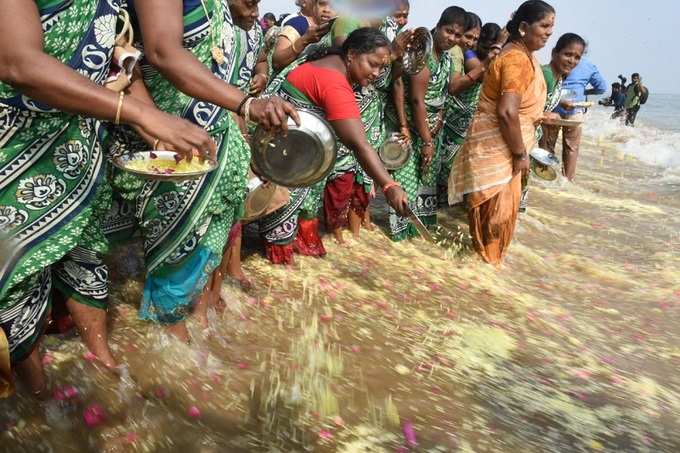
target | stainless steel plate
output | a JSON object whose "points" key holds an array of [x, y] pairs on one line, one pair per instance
{"points": [[123, 162], [302, 158], [394, 154]]}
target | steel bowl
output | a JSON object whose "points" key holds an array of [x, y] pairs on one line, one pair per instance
{"points": [[302, 158], [394, 154], [420, 48], [544, 164], [123, 162]]}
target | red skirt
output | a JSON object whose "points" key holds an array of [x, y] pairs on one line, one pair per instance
{"points": [[340, 195], [307, 242]]}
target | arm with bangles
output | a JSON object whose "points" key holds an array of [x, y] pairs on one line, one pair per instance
{"points": [[260, 77], [59, 86], [351, 133], [418, 90], [162, 28]]}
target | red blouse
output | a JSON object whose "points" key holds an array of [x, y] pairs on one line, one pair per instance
{"points": [[327, 88]]}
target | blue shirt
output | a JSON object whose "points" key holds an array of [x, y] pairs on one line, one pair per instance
{"points": [[584, 74]]}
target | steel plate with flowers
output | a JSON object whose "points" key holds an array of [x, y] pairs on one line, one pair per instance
{"points": [[163, 166]]}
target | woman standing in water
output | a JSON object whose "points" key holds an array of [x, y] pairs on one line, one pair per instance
{"points": [[461, 106], [53, 192], [565, 56], [488, 171], [423, 116], [188, 46], [325, 87]]}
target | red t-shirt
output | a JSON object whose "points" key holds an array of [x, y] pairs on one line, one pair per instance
{"points": [[327, 88]]}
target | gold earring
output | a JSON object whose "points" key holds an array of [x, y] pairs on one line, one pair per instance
{"points": [[522, 34]]}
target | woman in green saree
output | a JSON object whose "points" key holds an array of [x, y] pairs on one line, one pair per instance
{"points": [[324, 85], [349, 189], [467, 85], [423, 116], [566, 55], [52, 186], [188, 45]]}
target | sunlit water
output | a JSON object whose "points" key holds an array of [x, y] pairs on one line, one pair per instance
{"points": [[572, 345]]}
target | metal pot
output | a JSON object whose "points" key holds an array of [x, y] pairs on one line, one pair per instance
{"points": [[302, 158], [394, 154], [544, 164], [420, 48]]}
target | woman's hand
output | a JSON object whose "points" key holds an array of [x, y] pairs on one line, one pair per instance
{"points": [[547, 116], [427, 153], [183, 137], [258, 84], [405, 134], [398, 200], [315, 32], [520, 163], [272, 114], [401, 44]]}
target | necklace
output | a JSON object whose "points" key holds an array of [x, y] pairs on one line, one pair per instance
{"points": [[216, 52]]}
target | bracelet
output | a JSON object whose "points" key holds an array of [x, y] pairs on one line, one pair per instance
{"points": [[388, 186], [155, 144], [246, 109], [119, 109], [239, 109], [427, 144], [497, 46]]}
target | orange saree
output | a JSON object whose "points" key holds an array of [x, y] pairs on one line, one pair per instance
{"points": [[482, 172]]}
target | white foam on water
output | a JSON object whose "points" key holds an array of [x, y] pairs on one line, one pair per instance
{"points": [[647, 143]]}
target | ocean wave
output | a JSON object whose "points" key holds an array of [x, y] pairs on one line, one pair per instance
{"points": [[649, 144]]}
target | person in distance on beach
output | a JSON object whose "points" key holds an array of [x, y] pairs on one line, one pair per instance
{"points": [[636, 96]]}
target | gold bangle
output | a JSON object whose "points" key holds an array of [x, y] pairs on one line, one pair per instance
{"points": [[294, 49], [155, 144], [119, 110]]}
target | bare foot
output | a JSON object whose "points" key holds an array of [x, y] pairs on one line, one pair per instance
{"points": [[91, 324], [179, 331], [337, 234], [32, 374], [354, 223], [366, 221]]}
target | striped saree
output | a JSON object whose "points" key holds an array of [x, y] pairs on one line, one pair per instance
{"points": [[482, 172]]}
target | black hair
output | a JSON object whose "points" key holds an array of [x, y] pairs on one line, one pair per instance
{"points": [[453, 15], [282, 17], [269, 16], [472, 21], [616, 85], [567, 40], [360, 41], [529, 12], [635, 74], [487, 37]]}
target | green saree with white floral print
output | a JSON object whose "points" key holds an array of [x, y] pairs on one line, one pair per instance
{"points": [[52, 190], [185, 226], [421, 186]]}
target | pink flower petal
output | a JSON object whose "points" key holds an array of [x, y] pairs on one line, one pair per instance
{"points": [[94, 415], [325, 435], [409, 434], [194, 412]]}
